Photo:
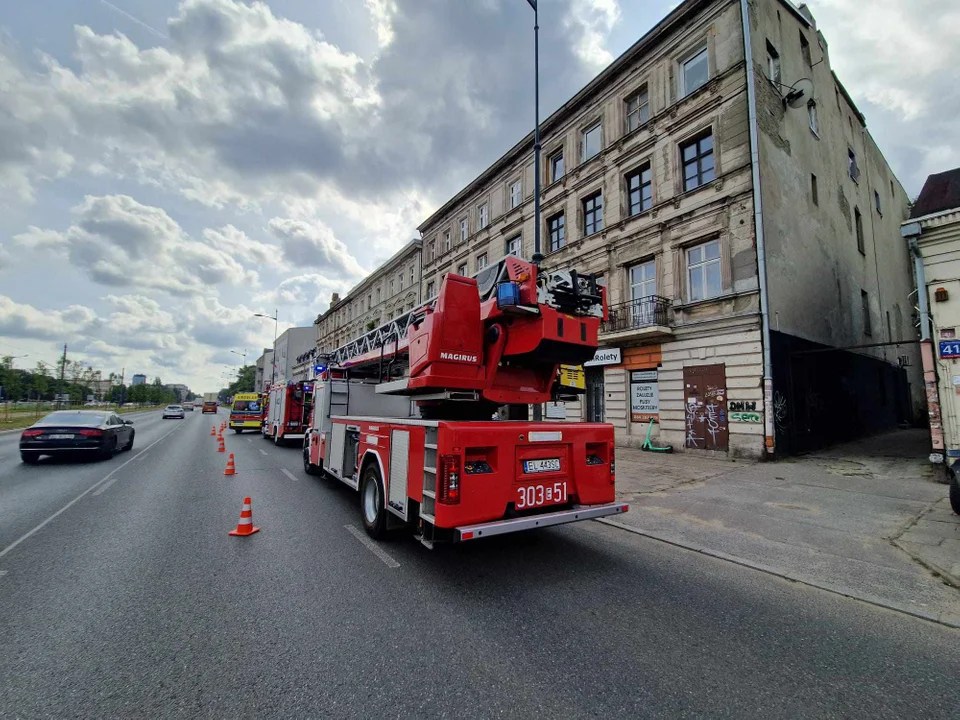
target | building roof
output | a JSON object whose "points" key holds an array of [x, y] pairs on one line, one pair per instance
{"points": [[940, 192]]}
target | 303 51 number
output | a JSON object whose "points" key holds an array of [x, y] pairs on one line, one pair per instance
{"points": [[533, 496]]}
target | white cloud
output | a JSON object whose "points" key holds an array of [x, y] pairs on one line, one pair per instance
{"points": [[255, 253], [18, 320], [596, 18], [119, 242], [313, 245]]}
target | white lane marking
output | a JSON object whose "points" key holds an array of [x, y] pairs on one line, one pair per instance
{"points": [[263, 452], [289, 474], [113, 472], [372, 546], [249, 439]]}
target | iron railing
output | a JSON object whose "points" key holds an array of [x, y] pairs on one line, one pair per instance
{"points": [[638, 313]]}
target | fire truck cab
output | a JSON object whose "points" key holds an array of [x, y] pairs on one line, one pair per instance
{"points": [[427, 416], [289, 407]]}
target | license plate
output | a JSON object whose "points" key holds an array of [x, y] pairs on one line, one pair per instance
{"points": [[538, 466], [533, 496], [60, 437]]}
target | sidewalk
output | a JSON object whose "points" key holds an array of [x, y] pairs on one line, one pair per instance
{"points": [[864, 520]]}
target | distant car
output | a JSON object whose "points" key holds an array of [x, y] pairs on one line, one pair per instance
{"points": [[209, 406], [76, 431], [173, 411], [188, 406]]}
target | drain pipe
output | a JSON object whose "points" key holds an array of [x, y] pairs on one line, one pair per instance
{"points": [[758, 227]]}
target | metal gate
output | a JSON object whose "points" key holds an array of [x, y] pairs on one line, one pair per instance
{"points": [[705, 407], [594, 394]]}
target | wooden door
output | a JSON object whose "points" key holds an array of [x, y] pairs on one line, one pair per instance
{"points": [[705, 407]]}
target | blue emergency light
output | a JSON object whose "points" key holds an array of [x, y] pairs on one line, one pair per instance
{"points": [[508, 294]]}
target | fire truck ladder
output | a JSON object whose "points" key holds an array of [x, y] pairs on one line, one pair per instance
{"points": [[378, 338]]}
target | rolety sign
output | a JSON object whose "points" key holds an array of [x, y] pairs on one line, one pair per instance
{"points": [[644, 396], [604, 356]]}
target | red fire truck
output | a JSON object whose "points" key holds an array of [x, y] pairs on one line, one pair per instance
{"points": [[427, 415], [288, 411]]}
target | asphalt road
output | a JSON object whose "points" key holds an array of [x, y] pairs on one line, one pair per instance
{"points": [[134, 602]]}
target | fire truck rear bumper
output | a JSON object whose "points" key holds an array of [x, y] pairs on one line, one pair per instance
{"points": [[502, 527]]}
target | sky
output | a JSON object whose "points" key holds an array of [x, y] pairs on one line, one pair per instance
{"points": [[168, 168]]}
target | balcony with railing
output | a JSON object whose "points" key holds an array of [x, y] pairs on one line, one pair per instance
{"points": [[644, 317]]}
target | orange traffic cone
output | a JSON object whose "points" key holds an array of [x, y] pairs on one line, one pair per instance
{"points": [[245, 526], [221, 447], [231, 469], [213, 430]]}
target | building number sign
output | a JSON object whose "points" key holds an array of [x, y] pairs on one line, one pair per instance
{"points": [[950, 349]]}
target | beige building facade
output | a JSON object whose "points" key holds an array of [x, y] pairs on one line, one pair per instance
{"points": [[718, 207], [389, 291]]}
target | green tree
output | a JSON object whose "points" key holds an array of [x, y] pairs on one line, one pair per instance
{"points": [[246, 377]]}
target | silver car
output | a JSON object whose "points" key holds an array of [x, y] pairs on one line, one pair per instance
{"points": [[173, 411]]}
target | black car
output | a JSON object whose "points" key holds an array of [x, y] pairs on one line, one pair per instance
{"points": [[76, 431]]}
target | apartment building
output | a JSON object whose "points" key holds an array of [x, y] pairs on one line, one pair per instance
{"points": [[390, 290], [290, 345], [263, 376], [744, 222]]}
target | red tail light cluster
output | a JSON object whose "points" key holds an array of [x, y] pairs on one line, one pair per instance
{"points": [[90, 433], [32, 433], [449, 480]]}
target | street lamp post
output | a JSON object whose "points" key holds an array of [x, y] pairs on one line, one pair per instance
{"points": [[537, 255], [273, 355]]}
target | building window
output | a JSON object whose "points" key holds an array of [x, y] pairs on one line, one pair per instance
{"points": [[513, 246], [400, 278], [412, 278], [703, 271], [462, 269], [592, 141], [865, 308], [556, 230], [814, 195], [515, 195], [639, 190], [876, 202], [643, 280], [481, 216], [858, 226], [697, 158], [773, 66], [638, 110], [432, 255], [593, 213], [812, 118], [463, 229], [369, 301], [695, 72], [852, 164], [892, 194], [481, 261], [378, 296], [556, 166], [429, 290], [392, 290], [805, 50], [446, 241]]}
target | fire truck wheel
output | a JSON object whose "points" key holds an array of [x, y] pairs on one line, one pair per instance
{"points": [[308, 467], [955, 494], [371, 503]]}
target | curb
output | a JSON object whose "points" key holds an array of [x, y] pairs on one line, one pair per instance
{"points": [[876, 602]]}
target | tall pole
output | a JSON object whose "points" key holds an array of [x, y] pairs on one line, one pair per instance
{"points": [[63, 370], [537, 255], [276, 322]]}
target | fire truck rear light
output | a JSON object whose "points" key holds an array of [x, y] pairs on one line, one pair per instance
{"points": [[449, 480], [624, 508], [466, 536]]}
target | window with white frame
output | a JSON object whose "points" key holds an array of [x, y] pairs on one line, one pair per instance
{"points": [[462, 269], [430, 290], [556, 166], [515, 194], [593, 213], [694, 72], [643, 288], [433, 250], [852, 165], [697, 158], [482, 216], [703, 271], [812, 118], [513, 246], [392, 290], [773, 65], [412, 277], [446, 241], [481, 261], [592, 141], [400, 278], [463, 229], [638, 109]]}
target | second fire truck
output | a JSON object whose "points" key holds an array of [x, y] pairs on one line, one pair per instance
{"points": [[426, 416]]}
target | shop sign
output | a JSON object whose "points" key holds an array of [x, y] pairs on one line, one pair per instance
{"points": [[605, 356], [644, 396], [555, 411]]}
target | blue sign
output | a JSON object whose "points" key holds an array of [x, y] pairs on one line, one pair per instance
{"points": [[950, 348]]}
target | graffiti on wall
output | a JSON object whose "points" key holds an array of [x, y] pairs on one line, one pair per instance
{"points": [[780, 410]]}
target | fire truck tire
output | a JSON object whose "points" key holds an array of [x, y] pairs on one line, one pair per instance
{"points": [[308, 467], [372, 509], [955, 494], [277, 440]]}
